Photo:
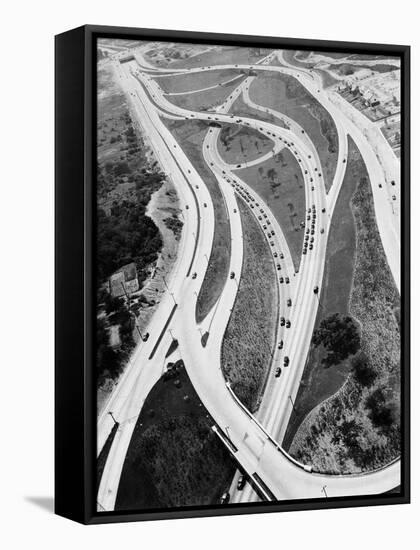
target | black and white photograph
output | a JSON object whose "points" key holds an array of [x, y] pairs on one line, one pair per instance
{"points": [[248, 275]]}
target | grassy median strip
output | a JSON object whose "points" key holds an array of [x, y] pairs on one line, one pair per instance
{"points": [[285, 94], [190, 135], [279, 181], [248, 341], [174, 458], [319, 383], [205, 100], [238, 144], [177, 83], [358, 428]]}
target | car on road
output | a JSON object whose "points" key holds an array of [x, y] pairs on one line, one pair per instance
{"points": [[304, 251], [394, 198], [322, 230], [281, 280], [288, 324], [241, 482], [194, 276], [282, 321], [281, 256], [275, 254], [232, 274], [145, 337], [280, 345], [289, 302], [234, 210], [311, 246], [286, 361], [278, 267], [287, 280], [225, 498], [316, 290], [278, 372], [205, 205], [260, 218], [323, 210], [186, 207]]}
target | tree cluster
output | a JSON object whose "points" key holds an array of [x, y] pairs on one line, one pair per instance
{"points": [[339, 334]]}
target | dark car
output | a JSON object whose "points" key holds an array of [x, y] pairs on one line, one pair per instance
{"points": [[282, 321], [287, 280], [205, 205], [280, 345], [232, 274], [225, 498], [281, 255], [275, 254], [278, 372], [288, 324], [281, 280], [286, 361], [289, 302], [146, 337], [278, 267], [241, 483], [194, 276], [186, 206]]}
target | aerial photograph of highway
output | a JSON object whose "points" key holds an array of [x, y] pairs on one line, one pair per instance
{"points": [[248, 275]]}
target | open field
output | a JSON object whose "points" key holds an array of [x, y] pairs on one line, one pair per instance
{"points": [[279, 181], [285, 94], [222, 55], [249, 336], [195, 81], [206, 100], [190, 135], [238, 144], [318, 382], [174, 458], [358, 429]]}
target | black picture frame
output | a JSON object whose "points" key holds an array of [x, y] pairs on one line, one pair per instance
{"points": [[75, 172]]}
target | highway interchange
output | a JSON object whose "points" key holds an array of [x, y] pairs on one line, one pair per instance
{"points": [[255, 441]]}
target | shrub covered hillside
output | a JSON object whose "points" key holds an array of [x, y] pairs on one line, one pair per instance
{"points": [[126, 180], [358, 428]]}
